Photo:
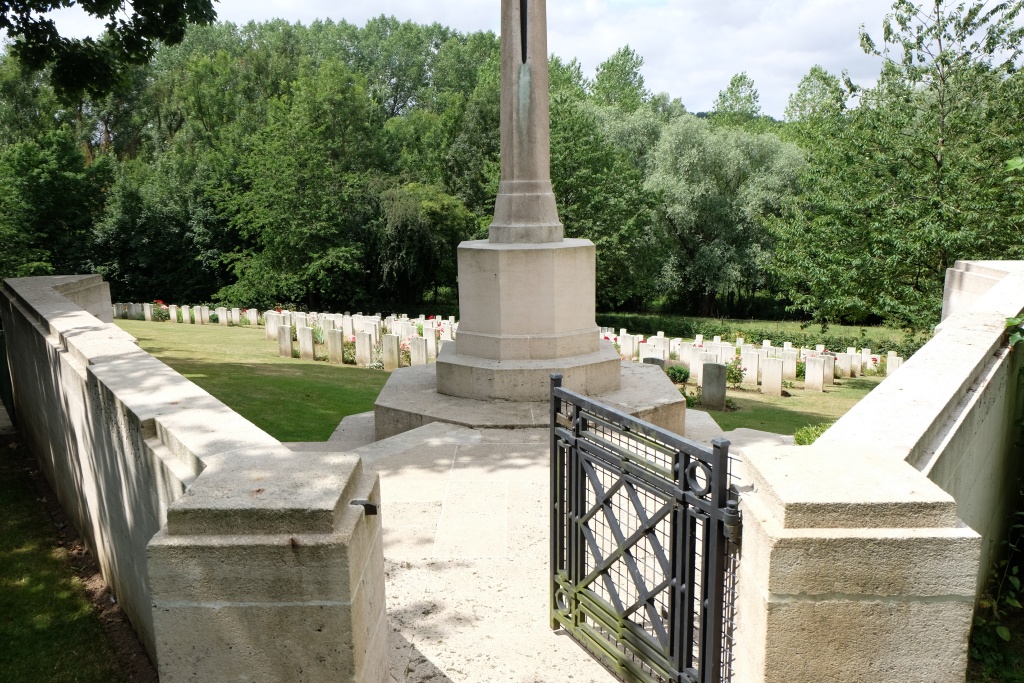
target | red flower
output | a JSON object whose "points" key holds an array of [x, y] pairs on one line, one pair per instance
{"points": [[643, 341], [158, 301]]}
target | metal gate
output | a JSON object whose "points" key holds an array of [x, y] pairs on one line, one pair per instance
{"points": [[643, 544]]}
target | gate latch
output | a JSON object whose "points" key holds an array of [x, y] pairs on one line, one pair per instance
{"points": [[368, 507], [731, 521]]}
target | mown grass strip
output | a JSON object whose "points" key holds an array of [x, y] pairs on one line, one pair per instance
{"points": [[290, 399], [785, 415]]}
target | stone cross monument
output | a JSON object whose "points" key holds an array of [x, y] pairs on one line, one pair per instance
{"points": [[525, 208], [526, 294]]}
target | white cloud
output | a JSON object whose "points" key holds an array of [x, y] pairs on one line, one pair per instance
{"points": [[691, 47]]}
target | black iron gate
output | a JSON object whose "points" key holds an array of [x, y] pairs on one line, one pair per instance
{"points": [[643, 544]]}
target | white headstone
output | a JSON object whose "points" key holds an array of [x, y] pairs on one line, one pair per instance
{"points": [[702, 360], [418, 351], [392, 351], [771, 376], [335, 347], [844, 365], [364, 349], [830, 369], [789, 365], [814, 379], [430, 334], [305, 337], [750, 362], [284, 341]]}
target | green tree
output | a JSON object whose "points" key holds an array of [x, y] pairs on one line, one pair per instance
{"points": [[716, 187], [49, 199], [739, 101], [133, 32], [416, 240], [819, 95], [600, 194], [911, 180], [619, 82]]}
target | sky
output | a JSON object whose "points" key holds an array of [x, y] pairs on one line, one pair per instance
{"points": [[691, 48]]}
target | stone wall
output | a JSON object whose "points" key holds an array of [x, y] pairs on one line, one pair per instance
{"points": [[863, 554], [234, 558]]}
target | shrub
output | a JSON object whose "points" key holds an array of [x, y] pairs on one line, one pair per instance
{"points": [[214, 318], [692, 400], [160, 312], [807, 435], [348, 353], [678, 374], [734, 373], [801, 369]]}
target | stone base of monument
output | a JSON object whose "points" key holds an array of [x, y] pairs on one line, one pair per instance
{"points": [[527, 311], [525, 380], [410, 399]]}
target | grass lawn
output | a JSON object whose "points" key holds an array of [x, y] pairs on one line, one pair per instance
{"points": [[785, 415], [290, 399], [49, 630]]}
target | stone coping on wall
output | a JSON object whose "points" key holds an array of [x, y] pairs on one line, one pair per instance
{"points": [[243, 508], [850, 551], [909, 413]]}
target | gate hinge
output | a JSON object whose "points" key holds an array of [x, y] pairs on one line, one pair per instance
{"points": [[731, 520]]}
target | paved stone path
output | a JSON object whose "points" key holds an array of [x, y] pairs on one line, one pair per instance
{"points": [[466, 527], [466, 546]]}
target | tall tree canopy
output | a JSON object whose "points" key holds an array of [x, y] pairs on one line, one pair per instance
{"points": [[133, 31], [339, 166], [910, 180]]}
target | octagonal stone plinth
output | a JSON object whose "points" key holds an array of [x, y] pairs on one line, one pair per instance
{"points": [[527, 311]]}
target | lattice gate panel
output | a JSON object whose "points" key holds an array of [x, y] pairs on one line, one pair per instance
{"points": [[640, 549]]}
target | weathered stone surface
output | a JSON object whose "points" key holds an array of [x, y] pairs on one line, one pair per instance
{"points": [[234, 558], [392, 352], [410, 400], [713, 386]]}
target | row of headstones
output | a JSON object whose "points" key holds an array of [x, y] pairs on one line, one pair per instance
{"points": [[199, 315], [768, 364], [368, 332]]}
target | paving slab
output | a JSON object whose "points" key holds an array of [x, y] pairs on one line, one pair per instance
{"points": [[355, 431], [466, 559], [701, 427]]}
